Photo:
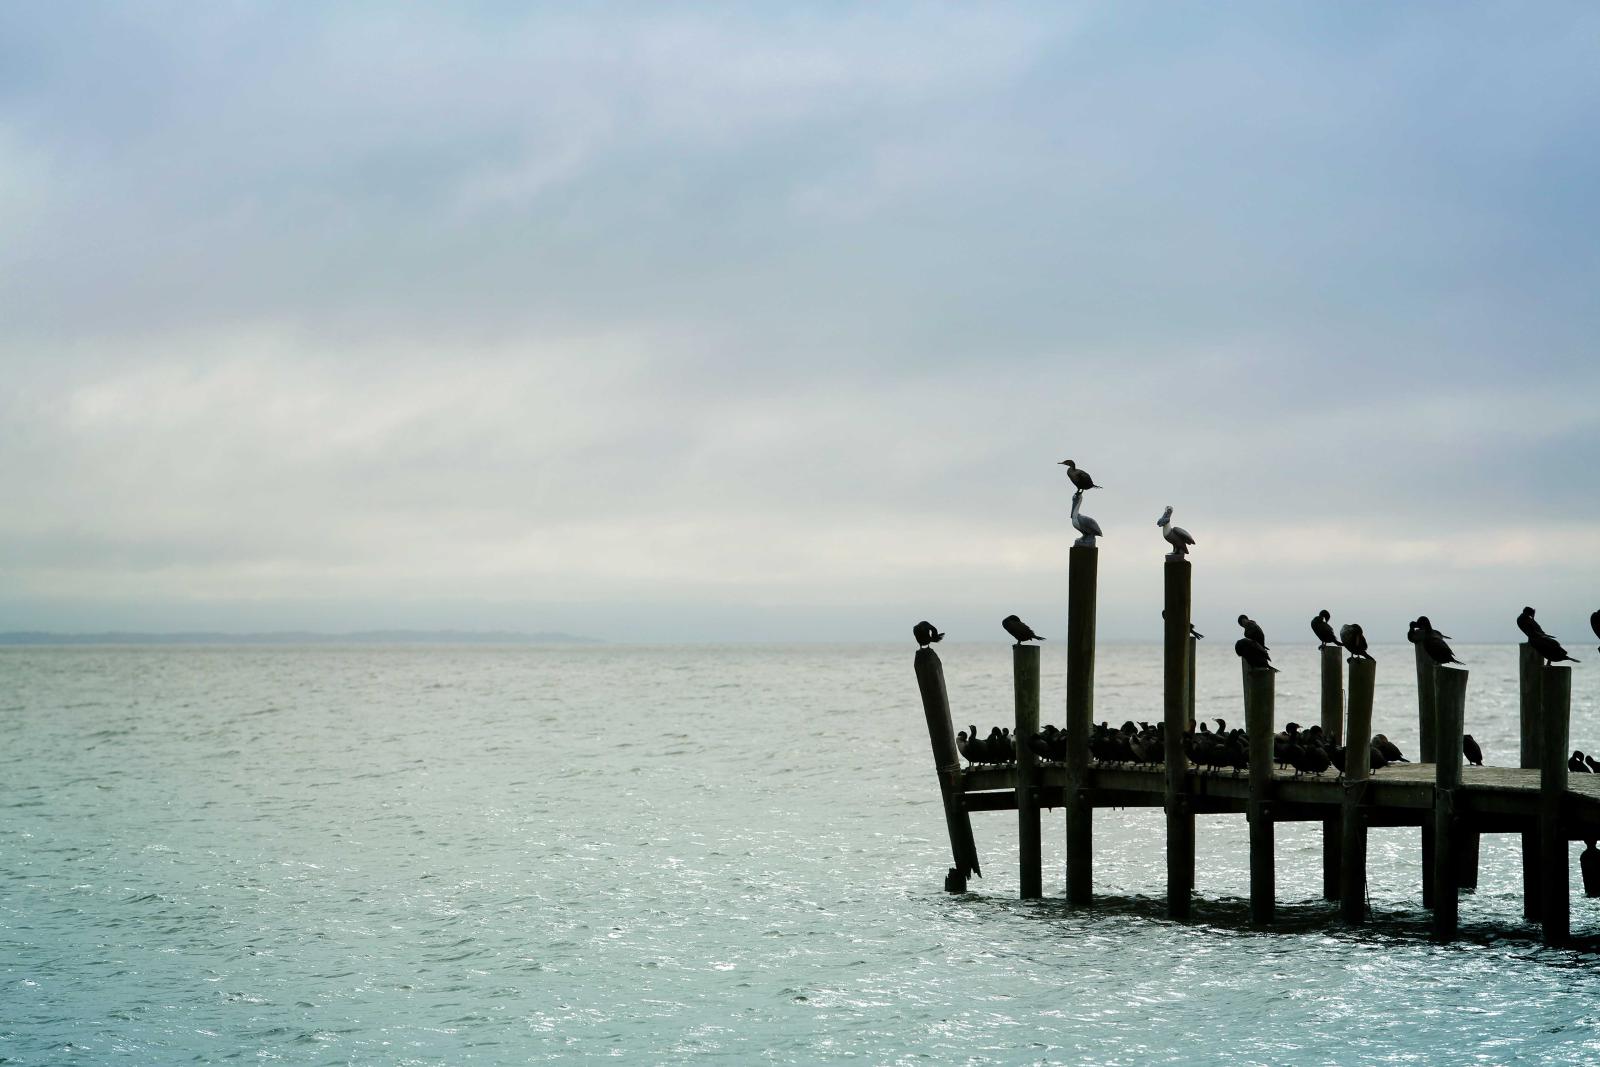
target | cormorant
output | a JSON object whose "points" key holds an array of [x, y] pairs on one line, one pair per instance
{"points": [[1324, 632], [1080, 477], [1083, 523], [1252, 631], [1253, 654], [1594, 623], [926, 633], [1355, 640], [1196, 634], [1594, 764], [1575, 763], [1391, 752], [1549, 648], [1433, 642], [1176, 536], [1019, 629], [1526, 624], [1470, 749]]}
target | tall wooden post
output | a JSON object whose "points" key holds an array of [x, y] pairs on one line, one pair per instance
{"points": [[1082, 572], [947, 761], [1025, 675], [1450, 685], [1332, 730], [1259, 732], [1175, 716], [1427, 719], [1529, 665], [1555, 698], [1357, 769]]}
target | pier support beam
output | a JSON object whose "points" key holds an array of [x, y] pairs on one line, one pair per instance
{"points": [[947, 761], [1529, 664], [1450, 687], [1082, 574], [1333, 731], [1357, 769], [1427, 720], [1555, 701], [1025, 675], [1260, 733], [1175, 716]]}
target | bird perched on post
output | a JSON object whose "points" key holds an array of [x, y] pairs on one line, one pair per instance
{"points": [[1253, 654], [1355, 640], [1083, 523], [926, 633], [1253, 631], [1196, 634], [1176, 536], [1526, 624], [1594, 623], [1019, 629], [1432, 641], [1549, 648], [1470, 749], [1080, 477], [1324, 631]]}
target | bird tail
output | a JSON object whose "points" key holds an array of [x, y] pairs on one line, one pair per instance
{"points": [[938, 637]]}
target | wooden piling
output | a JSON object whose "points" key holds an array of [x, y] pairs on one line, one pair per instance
{"points": [[1450, 687], [1427, 718], [1175, 715], [1529, 664], [1260, 734], [1332, 730], [1025, 676], [1357, 770], [1555, 701], [1082, 573], [947, 761]]}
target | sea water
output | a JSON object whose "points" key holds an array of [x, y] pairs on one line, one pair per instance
{"points": [[506, 855]]}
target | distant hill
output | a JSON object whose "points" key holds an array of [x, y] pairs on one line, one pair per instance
{"points": [[300, 637]]}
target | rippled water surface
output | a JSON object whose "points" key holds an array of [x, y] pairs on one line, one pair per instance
{"points": [[673, 855]]}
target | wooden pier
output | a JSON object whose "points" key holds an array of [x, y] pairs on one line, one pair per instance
{"points": [[1450, 804]]}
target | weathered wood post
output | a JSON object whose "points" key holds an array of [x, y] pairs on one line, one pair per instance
{"points": [[1357, 769], [1450, 707], [1427, 719], [1175, 716], [1332, 730], [1082, 570], [1529, 664], [1555, 698], [1260, 734], [1025, 675], [947, 761]]}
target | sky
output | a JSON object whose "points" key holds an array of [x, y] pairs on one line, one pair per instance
{"points": [[770, 322]]}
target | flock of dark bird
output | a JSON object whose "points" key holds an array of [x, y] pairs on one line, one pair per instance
{"points": [[1308, 751]]}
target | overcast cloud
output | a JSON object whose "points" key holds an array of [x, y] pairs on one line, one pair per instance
{"points": [[705, 323]]}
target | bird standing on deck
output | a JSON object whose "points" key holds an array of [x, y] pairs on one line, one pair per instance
{"points": [[1019, 629], [1575, 763], [1390, 750], [1324, 631], [1355, 640], [1080, 477], [1253, 631], [1470, 749], [1526, 624], [926, 633], [1083, 523], [1253, 654], [1176, 536]]}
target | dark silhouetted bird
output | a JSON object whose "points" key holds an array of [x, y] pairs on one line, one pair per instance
{"points": [[1391, 752], [1594, 764], [1575, 763], [1355, 640], [1470, 749], [1253, 654], [926, 633], [1253, 632], [1080, 477], [1019, 629], [1526, 624], [1196, 634], [1549, 648], [1594, 623], [1324, 632], [1433, 642]]}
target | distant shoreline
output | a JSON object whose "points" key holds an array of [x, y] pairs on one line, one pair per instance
{"points": [[299, 637]]}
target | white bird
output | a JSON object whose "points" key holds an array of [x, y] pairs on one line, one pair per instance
{"points": [[1083, 523], [1176, 536]]}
